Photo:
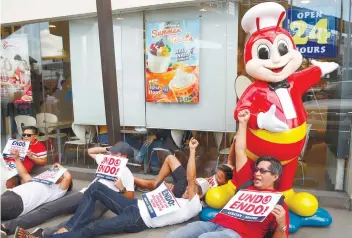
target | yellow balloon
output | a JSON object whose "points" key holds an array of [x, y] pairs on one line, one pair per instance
{"points": [[303, 204], [218, 197]]}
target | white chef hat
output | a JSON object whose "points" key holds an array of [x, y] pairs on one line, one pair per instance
{"points": [[268, 14]]}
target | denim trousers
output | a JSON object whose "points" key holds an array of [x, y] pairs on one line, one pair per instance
{"points": [[203, 229], [128, 217]]}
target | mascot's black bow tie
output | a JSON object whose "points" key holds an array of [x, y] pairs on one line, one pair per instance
{"points": [[282, 84]]}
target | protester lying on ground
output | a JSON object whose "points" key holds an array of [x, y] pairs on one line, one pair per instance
{"points": [[173, 166], [133, 214], [36, 154], [31, 194], [69, 203], [264, 178]]}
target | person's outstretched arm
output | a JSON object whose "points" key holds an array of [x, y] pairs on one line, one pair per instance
{"points": [[22, 172], [93, 152], [240, 144], [191, 169]]}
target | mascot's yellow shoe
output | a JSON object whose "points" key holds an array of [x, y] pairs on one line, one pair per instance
{"points": [[218, 197], [303, 204]]}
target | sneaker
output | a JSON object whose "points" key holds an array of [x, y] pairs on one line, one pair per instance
{"points": [[3, 234], [38, 232]]}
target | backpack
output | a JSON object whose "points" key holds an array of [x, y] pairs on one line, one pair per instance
{"points": [[250, 183]]}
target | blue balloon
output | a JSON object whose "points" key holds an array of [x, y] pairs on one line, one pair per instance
{"points": [[321, 218], [208, 213]]}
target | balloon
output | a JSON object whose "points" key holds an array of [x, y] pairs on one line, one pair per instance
{"points": [[217, 197], [208, 213]]}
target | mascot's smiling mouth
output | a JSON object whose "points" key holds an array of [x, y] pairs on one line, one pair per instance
{"points": [[277, 70]]}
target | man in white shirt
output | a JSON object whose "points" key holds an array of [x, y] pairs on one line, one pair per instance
{"points": [[133, 215], [69, 203], [30, 195]]}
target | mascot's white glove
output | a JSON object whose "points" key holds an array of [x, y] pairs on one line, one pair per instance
{"points": [[268, 121], [325, 67]]}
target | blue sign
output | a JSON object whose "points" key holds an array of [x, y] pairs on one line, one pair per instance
{"points": [[314, 33]]}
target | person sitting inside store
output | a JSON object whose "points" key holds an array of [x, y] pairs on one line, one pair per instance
{"points": [[133, 213], [173, 166], [264, 178], [31, 194], [69, 203], [36, 155]]}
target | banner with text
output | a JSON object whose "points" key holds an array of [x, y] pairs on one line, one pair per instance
{"points": [[50, 176], [110, 168], [249, 205], [314, 33], [160, 201], [11, 168], [212, 181], [13, 144]]}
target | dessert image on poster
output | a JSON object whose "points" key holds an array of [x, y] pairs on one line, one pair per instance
{"points": [[172, 61]]}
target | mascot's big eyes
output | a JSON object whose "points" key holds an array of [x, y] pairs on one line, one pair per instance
{"points": [[282, 47], [263, 52]]}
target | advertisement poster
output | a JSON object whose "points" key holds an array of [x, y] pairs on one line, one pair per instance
{"points": [[160, 201], [15, 70], [50, 176], [314, 33], [172, 61], [110, 167], [11, 168], [13, 144], [212, 181], [251, 205]]}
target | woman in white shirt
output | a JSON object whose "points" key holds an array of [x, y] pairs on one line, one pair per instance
{"points": [[30, 195], [133, 214]]}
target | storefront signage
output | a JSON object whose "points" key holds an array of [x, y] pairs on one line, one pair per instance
{"points": [[313, 32], [13, 144], [251, 206], [15, 70], [110, 167], [160, 201], [172, 61], [50, 176]]}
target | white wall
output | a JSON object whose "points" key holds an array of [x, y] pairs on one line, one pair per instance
{"points": [[218, 70], [33, 10], [87, 85]]}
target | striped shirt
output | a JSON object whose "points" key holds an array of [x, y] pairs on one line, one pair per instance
{"points": [[39, 150]]}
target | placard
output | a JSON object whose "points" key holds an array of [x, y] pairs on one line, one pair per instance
{"points": [[314, 33], [11, 168], [13, 144], [110, 168], [172, 61], [160, 201], [50, 176], [252, 206], [212, 182]]}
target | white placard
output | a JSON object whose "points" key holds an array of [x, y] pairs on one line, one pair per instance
{"points": [[13, 144], [160, 201], [50, 176], [11, 168], [251, 206], [110, 168], [212, 182]]}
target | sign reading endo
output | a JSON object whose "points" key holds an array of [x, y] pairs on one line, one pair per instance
{"points": [[313, 32], [110, 167]]}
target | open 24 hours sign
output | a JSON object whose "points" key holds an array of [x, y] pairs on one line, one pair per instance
{"points": [[314, 33]]}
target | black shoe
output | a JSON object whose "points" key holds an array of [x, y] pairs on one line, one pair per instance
{"points": [[38, 232]]}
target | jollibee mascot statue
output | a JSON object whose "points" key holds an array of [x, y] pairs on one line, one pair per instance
{"points": [[277, 126]]}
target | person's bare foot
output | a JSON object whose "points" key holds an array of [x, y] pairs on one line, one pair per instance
{"points": [[61, 230]]}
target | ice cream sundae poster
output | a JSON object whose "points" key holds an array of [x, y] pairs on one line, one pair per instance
{"points": [[15, 70], [172, 61]]}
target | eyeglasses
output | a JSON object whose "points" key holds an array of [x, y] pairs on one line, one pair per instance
{"points": [[261, 170], [26, 135]]}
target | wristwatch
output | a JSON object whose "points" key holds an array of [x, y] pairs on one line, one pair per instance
{"points": [[123, 190], [284, 228]]}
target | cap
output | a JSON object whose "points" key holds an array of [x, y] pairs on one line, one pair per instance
{"points": [[123, 148], [203, 184], [268, 14]]}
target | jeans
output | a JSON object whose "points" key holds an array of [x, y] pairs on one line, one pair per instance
{"points": [[128, 217], [146, 150], [65, 205], [203, 229]]}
